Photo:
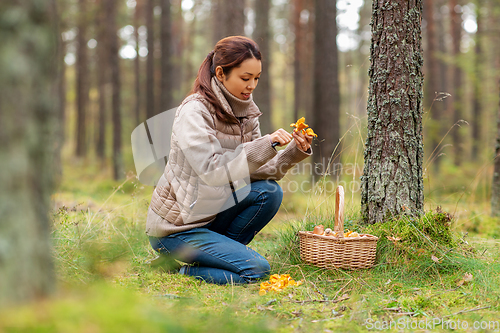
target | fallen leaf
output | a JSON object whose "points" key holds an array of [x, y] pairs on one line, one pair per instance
{"points": [[435, 259]]}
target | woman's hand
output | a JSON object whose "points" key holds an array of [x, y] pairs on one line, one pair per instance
{"points": [[281, 136], [303, 141]]}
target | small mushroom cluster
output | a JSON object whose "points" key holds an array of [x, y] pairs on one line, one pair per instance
{"points": [[300, 125], [320, 230], [277, 283]]}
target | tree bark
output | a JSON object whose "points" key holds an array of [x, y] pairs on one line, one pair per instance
{"points": [[28, 125], [456, 98], [102, 77], [82, 80], [167, 79], [392, 181], [114, 65], [326, 102], [150, 80], [262, 36]]}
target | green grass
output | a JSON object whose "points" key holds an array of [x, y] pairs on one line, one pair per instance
{"points": [[106, 284]]}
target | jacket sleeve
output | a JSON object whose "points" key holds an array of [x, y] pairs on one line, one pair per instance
{"points": [[277, 167], [194, 129]]}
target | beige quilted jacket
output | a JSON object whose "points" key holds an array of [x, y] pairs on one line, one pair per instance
{"points": [[209, 158]]}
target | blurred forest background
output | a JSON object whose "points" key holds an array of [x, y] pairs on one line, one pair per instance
{"points": [[126, 61]]}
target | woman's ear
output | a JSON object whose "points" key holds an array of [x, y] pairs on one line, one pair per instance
{"points": [[219, 73]]}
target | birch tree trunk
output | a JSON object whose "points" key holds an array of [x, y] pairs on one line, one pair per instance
{"points": [[392, 181], [28, 125]]}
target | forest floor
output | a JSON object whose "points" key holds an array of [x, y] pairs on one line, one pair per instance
{"points": [[440, 276]]}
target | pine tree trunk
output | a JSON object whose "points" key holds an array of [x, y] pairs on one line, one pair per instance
{"points": [[102, 77], [495, 188], [392, 180], [166, 58], [150, 81], [82, 80], [495, 193], [444, 82], [61, 117], [28, 124], [262, 36], [234, 17], [298, 45], [326, 101], [432, 83], [456, 81], [114, 65], [218, 16], [476, 103], [137, 62]]}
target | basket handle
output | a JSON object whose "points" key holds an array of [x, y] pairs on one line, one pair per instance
{"points": [[339, 212]]}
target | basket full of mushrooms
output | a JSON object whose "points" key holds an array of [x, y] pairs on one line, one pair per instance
{"points": [[328, 248]]}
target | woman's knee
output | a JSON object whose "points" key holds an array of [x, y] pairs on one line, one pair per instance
{"points": [[260, 269], [273, 191]]}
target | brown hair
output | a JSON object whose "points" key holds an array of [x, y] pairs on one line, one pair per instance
{"points": [[228, 53]]}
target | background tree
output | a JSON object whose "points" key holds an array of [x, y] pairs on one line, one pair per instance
{"points": [[495, 195], [150, 69], [29, 120], [326, 105], [262, 36], [477, 84], [457, 101], [495, 38], [432, 82], [298, 46], [392, 178], [218, 17], [82, 80], [167, 87], [102, 71], [114, 61], [233, 22], [137, 61], [303, 27]]}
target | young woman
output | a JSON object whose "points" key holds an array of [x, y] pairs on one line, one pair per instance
{"points": [[219, 186]]}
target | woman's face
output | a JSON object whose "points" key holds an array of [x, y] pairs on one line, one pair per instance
{"points": [[242, 80]]}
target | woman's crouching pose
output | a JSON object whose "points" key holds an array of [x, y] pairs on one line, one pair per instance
{"points": [[219, 186]]}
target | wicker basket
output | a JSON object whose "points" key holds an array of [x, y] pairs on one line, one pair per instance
{"points": [[338, 252]]}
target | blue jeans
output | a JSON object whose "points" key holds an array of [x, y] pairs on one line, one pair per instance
{"points": [[218, 250]]}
